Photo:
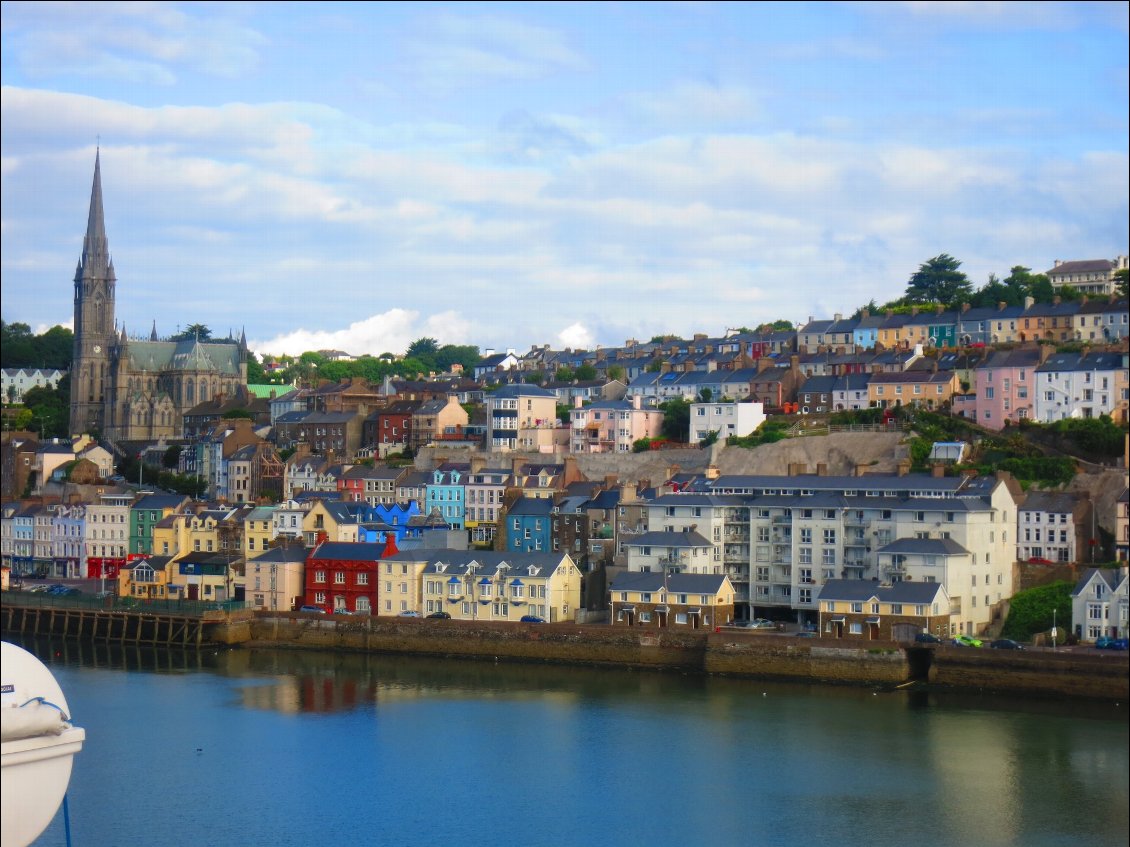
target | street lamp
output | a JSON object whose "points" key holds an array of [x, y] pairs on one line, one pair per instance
{"points": [[1053, 628]]}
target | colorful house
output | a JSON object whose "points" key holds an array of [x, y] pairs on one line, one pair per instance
{"points": [[671, 600], [857, 609], [343, 576]]}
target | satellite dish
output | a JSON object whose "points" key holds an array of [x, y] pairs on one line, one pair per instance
{"points": [[37, 746]]}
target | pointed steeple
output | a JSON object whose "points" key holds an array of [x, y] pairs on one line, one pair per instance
{"points": [[153, 333], [95, 250]]}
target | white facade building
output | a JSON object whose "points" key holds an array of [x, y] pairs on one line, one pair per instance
{"points": [[726, 419]]}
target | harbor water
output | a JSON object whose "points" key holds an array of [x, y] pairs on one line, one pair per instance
{"points": [[273, 747]]}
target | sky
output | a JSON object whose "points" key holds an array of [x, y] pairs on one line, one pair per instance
{"points": [[358, 176]]}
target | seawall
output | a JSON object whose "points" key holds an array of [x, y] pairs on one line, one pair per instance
{"points": [[751, 654]]}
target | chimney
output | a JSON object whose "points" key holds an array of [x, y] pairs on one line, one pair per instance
{"points": [[577, 402], [764, 363], [627, 492], [903, 467], [938, 470], [861, 470], [636, 401], [1058, 262], [478, 463], [1045, 351], [797, 468], [913, 311], [1057, 300], [864, 314], [794, 362], [1029, 301], [712, 472], [610, 481], [821, 469], [516, 463], [964, 308], [1002, 305], [939, 309]]}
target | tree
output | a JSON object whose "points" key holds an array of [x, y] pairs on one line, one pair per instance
{"points": [[585, 373], [197, 331], [425, 350], [938, 280], [255, 373], [676, 419], [615, 372], [1122, 281]]}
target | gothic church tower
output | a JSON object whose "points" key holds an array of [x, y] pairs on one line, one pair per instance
{"points": [[93, 320]]}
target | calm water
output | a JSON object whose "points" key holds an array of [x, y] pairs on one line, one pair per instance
{"points": [[278, 748]]}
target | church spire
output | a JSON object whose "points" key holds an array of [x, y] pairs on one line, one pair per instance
{"points": [[95, 250], [153, 333]]}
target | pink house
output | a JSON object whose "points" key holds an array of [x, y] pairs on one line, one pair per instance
{"points": [[612, 426], [1006, 386]]}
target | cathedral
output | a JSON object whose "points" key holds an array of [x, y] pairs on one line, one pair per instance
{"points": [[130, 389]]}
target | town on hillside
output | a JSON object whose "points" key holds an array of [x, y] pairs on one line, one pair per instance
{"points": [[601, 486]]}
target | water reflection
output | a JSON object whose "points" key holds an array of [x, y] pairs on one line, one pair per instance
{"points": [[747, 761]]}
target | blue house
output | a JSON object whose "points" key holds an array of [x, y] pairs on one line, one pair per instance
{"points": [[446, 491], [529, 525]]}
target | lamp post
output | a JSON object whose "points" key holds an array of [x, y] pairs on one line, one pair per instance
{"points": [[1054, 629]]}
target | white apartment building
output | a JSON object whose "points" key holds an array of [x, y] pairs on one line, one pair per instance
{"points": [[1048, 525], [726, 419], [1076, 385], [15, 382], [807, 529]]}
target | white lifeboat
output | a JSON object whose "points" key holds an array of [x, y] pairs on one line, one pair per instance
{"points": [[37, 745]]}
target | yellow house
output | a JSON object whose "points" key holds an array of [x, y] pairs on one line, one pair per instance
{"points": [[671, 600], [170, 535], [331, 521], [893, 611], [257, 531], [145, 579], [495, 586], [930, 389], [399, 584]]}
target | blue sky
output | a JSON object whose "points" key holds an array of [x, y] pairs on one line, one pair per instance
{"points": [[356, 176]]}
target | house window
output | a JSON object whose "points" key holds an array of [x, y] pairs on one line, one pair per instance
{"points": [[339, 577], [362, 579], [320, 576]]}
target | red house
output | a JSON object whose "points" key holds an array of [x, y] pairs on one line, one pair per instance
{"points": [[341, 576]]}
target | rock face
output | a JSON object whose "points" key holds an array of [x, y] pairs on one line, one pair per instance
{"points": [[840, 454]]}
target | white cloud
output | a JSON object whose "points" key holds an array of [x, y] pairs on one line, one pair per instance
{"points": [[576, 337], [388, 332]]}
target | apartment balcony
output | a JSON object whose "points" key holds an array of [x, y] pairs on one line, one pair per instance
{"points": [[856, 523], [782, 519]]}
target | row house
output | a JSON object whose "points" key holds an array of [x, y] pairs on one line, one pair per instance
{"points": [[485, 491], [332, 520], [1100, 603], [1084, 385], [145, 578], [1005, 389], [15, 382], [372, 485], [987, 325], [145, 514], [284, 404], [1055, 526], [107, 535], [890, 611], [389, 429], [17, 463], [253, 471], [18, 538], [479, 585], [275, 578], [205, 416], [492, 365], [68, 536], [433, 419], [521, 417], [207, 577], [586, 391], [776, 384], [305, 473], [343, 577], [258, 531], [446, 492], [807, 529], [612, 426], [665, 600], [726, 419], [530, 525], [930, 389], [1103, 321]]}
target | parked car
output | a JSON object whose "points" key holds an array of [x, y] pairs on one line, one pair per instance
{"points": [[409, 614], [1006, 644], [927, 638], [804, 633], [439, 616], [1107, 643], [317, 610], [1038, 560], [743, 624], [762, 623], [531, 619], [966, 641]]}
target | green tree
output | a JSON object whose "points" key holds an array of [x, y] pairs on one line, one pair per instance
{"points": [[676, 419], [564, 374], [50, 408], [1122, 281], [585, 373], [615, 372], [938, 280], [424, 350], [255, 373], [465, 355], [198, 331]]}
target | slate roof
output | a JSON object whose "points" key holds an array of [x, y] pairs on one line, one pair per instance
{"points": [[673, 583], [861, 590], [925, 547], [348, 551], [1050, 501], [669, 539], [1111, 576]]}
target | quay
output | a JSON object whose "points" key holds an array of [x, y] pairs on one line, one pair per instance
{"points": [[1077, 673]]}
